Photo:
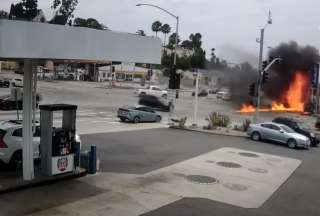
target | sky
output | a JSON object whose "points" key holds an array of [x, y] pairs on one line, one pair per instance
{"points": [[229, 26]]}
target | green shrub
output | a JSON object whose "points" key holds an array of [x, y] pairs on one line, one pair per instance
{"points": [[216, 119]]}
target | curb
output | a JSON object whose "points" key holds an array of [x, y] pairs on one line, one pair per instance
{"points": [[207, 132], [42, 183]]}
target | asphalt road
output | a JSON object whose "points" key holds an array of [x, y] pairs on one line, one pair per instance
{"points": [[148, 150]]}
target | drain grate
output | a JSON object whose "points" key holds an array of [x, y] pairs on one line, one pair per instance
{"points": [[258, 170], [229, 164], [247, 154], [236, 187], [200, 179]]}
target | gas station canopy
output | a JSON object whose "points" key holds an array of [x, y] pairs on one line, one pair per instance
{"points": [[31, 40]]}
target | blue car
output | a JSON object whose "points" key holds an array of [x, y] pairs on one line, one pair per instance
{"points": [[138, 114]]}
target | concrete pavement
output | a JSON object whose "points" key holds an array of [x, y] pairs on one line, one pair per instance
{"points": [[144, 164]]}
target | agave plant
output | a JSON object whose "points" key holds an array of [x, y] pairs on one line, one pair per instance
{"points": [[216, 119]]}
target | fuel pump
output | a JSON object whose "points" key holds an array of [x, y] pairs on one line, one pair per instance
{"points": [[58, 144]]}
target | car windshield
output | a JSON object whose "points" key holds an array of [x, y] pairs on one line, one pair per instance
{"points": [[303, 126], [287, 129]]}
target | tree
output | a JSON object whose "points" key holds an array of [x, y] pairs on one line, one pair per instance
{"points": [[4, 14], [141, 33], [196, 40], [198, 59], [88, 23], [156, 27], [165, 29], [187, 44], [64, 11], [172, 41], [93, 23], [17, 11], [30, 9], [80, 22]]}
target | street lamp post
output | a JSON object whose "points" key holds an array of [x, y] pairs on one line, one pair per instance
{"points": [[177, 30], [261, 42]]}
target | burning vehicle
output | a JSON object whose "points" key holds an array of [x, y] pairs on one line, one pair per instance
{"points": [[289, 88]]}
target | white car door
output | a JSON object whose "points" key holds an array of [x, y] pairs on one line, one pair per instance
{"points": [[16, 141], [156, 91]]}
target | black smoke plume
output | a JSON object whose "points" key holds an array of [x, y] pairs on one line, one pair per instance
{"points": [[293, 58]]}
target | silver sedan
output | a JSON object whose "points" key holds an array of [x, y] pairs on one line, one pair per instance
{"points": [[279, 133]]}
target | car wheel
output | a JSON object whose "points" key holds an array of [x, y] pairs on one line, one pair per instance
{"points": [[136, 120], [292, 143], [16, 160], [255, 136], [122, 119], [158, 119], [142, 94]]}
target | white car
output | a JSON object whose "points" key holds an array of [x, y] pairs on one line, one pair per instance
{"points": [[224, 94], [11, 142], [17, 82], [152, 90]]}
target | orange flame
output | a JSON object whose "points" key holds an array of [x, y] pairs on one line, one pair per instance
{"points": [[247, 108], [293, 100]]}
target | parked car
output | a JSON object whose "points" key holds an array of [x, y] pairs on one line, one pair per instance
{"points": [[298, 127], [11, 143], [138, 114], [213, 91], [224, 94], [17, 82], [4, 82], [279, 133], [152, 90], [154, 102], [8, 103], [201, 93]]}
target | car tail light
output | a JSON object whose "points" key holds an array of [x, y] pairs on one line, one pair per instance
{"points": [[2, 143]]}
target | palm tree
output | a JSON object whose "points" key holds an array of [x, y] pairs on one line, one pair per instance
{"points": [[165, 29], [156, 27], [141, 32], [196, 40]]}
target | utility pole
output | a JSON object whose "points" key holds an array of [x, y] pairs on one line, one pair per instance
{"points": [[196, 92], [317, 87], [261, 42]]}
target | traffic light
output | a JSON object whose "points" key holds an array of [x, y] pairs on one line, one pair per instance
{"points": [[265, 76], [150, 73], [174, 80], [264, 65], [252, 89]]}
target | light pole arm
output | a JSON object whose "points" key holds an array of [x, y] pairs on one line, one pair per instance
{"points": [[271, 63], [152, 5]]}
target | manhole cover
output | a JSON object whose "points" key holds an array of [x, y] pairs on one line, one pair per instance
{"points": [[200, 179], [236, 187], [229, 164], [258, 170], [247, 154]]}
